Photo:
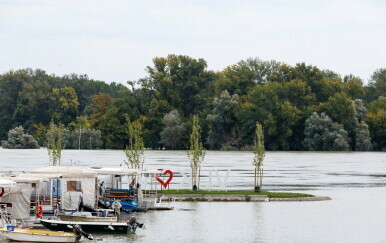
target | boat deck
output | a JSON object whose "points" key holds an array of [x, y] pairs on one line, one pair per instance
{"points": [[40, 232]]}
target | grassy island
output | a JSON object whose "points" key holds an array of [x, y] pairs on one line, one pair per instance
{"points": [[238, 192]]}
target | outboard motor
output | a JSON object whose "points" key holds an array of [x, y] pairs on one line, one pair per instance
{"points": [[79, 233], [102, 204], [88, 208], [132, 221]]}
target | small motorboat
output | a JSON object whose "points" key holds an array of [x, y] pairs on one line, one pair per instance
{"points": [[36, 235], [87, 217], [156, 203], [128, 227]]}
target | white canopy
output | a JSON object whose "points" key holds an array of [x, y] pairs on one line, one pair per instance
{"points": [[152, 171], [115, 171], [24, 178], [65, 172], [7, 183]]}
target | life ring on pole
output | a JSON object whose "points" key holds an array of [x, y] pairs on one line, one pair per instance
{"points": [[39, 211], [2, 192]]}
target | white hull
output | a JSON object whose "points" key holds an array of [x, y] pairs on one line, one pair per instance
{"points": [[154, 203], [25, 237]]}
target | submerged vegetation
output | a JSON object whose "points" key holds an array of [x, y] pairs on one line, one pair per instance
{"points": [[301, 107]]}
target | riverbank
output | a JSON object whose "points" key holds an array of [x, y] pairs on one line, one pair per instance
{"points": [[239, 195]]}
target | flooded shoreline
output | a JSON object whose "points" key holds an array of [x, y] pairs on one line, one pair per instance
{"points": [[354, 181]]}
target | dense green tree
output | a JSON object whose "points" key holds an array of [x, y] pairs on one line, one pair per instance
{"points": [[40, 134], [320, 82], [322, 134], [279, 96], [100, 105], [64, 104], [378, 81], [172, 131], [152, 122], [354, 87], [261, 69], [377, 127], [341, 109], [112, 127], [11, 84], [298, 93], [221, 119], [330, 74], [235, 79], [279, 117], [33, 103], [362, 137], [362, 140], [85, 88], [183, 82], [17, 139], [377, 105]]}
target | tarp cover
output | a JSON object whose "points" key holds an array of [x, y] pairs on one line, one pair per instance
{"points": [[7, 183], [71, 199], [19, 196]]}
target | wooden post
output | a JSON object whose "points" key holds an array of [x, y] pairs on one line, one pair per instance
{"points": [[255, 178]]}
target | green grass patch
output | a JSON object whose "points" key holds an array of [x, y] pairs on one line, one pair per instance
{"points": [[237, 192]]}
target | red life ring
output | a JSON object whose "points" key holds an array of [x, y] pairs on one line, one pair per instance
{"points": [[39, 211], [2, 192]]}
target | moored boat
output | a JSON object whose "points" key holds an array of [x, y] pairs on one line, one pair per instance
{"points": [[86, 217], [34, 235], [128, 227]]}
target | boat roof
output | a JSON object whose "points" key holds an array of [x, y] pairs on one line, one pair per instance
{"points": [[160, 171], [115, 171], [7, 183], [63, 172], [23, 179]]}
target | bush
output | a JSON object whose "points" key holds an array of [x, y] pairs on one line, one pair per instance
{"points": [[17, 139]]}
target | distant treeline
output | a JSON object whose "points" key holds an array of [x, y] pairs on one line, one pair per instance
{"points": [[301, 107]]}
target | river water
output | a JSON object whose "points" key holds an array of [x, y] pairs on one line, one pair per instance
{"points": [[355, 181]]}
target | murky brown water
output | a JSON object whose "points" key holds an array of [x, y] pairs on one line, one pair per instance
{"points": [[355, 181]]}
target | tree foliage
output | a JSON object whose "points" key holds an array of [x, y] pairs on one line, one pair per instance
{"points": [[322, 134], [55, 143], [279, 96], [259, 155], [377, 128], [196, 152], [17, 139], [135, 151], [221, 119], [172, 131]]}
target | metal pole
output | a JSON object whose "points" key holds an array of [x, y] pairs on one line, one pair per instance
{"points": [[255, 178]]}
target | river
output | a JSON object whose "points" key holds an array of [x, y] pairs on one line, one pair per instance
{"points": [[355, 181]]}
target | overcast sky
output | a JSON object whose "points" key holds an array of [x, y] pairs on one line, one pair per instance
{"points": [[115, 40]]}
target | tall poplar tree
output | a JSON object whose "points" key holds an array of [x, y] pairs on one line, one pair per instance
{"points": [[196, 152], [55, 144], [135, 151], [259, 155]]}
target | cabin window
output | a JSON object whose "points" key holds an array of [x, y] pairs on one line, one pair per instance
{"points": [[74, 186]]}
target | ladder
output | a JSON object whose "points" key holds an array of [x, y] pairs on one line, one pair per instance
{"points": [[5, 217]]}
